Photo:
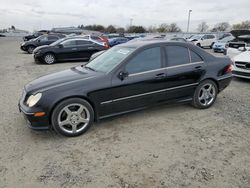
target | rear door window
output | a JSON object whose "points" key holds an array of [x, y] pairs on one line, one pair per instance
{"points": [[177, 55], [69, 43], [195, 57], [83, 42]]}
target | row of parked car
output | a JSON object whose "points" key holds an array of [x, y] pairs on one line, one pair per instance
{"points": [[53, 47]]}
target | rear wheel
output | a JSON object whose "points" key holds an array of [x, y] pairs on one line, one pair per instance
{"points": [[30, 49], [49, 58], [72, 117], [205, 94]]}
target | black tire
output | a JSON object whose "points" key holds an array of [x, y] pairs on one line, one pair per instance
{"points": [[30, 49], [198, 102], [49, 58], [59, 113], [198, 44]]}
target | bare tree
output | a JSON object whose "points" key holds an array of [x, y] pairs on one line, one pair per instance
{"points": [[242, 25], [163, 28], [173, 27], [152, 29], [203, 27], [223, 26]]}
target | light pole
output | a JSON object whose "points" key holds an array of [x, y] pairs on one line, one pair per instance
{"points": [[131, 21], [189, 12]]}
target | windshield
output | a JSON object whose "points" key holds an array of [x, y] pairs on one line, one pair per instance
{"points": [[107, 61], [196, 37], [227, 39]]}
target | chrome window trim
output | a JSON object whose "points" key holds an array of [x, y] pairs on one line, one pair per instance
{"points": [[148, 93], [225, 77], [165, 68]]}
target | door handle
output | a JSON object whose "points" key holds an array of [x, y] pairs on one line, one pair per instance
{"points": [[74, 48], [90, 48], [198, 68], [160, 76]]}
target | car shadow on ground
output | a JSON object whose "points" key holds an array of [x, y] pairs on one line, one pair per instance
{"points": [[114, 121]]}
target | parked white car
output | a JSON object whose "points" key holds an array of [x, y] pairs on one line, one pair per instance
{"points": [[241, 65], [206, 40]]}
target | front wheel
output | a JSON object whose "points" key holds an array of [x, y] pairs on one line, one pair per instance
{"points": [[49, 58], [198, 44], [205, 94], [72, 117], [30, 49]]}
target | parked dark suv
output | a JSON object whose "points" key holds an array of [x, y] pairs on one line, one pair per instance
{"points": [[46, 39]]}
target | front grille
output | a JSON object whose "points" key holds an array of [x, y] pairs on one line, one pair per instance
{"points": [[242, 65]]}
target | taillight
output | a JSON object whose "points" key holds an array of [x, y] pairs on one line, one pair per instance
{"points": [[229, 68], [106, 45]]}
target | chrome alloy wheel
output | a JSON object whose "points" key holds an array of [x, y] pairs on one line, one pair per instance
{"points": [[49, 59], [73, 118], [207, 94]]}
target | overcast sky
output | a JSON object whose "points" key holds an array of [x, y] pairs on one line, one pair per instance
{"points": [[45, 14]]}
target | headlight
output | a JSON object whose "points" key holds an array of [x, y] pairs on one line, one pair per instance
{"points": [[33, 99]]}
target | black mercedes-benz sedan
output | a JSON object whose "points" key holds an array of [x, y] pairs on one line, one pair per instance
{"points": [[45, 39], [70, 48], [123, 79]]}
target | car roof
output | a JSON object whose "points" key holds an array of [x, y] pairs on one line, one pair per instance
{"points": [[145, 43]]}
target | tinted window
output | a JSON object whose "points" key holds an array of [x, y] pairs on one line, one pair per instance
{"points": [[195, 57], [43, 38], [83, 42], [69, 43], [146, 60], [177, 55], [96, 38], [53, 38]]}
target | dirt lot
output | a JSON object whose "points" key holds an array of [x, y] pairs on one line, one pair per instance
{"points": [[166, 146]]}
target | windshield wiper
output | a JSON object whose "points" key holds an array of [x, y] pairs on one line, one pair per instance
{"points": [[90, 68]]}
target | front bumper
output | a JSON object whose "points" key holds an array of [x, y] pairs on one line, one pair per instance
{"points": [[38, 57], [33, 122], [218, 49], [23, 48], [241, 73]]}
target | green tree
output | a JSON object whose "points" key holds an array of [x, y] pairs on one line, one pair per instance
{"points": [[110, 29], [120, 30], [136, 29]]}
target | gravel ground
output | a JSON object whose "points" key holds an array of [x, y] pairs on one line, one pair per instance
{"points": [[165, 146]]}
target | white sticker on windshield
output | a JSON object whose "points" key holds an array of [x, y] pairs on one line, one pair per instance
{"points": [[123, 51]]}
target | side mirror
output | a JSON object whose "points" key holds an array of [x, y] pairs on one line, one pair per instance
{"points": [[202, 38], [242, 49], [60, 46], [122, 75]]}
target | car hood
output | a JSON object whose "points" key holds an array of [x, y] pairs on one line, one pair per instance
{"points": [[61, 78], [40, 47], [244, 57]]}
